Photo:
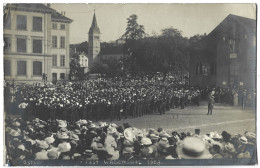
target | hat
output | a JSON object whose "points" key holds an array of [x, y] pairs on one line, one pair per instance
{"points": [[92, 125], [42, 144], [76, 131], [163, 144], [250, 135], [88, 152], [14, 133], [153, 136], [16, 124], [63, 129], [221, 146], [82, 122], [65, 157], [53, 154], [42, 155], [50, 139], [113, 125], [74, 137], [230, 148], [193, 148], [146, 141], [62, 123], [22, 147], [62, 135], [244, 155], [75, 155], [128, 149], [169, 157], [217, 156], [243, 140], [64, 147], [128, 133]]}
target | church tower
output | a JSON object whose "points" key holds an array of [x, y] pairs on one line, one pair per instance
{"points": [[94, 41]]}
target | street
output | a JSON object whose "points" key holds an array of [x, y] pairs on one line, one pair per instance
{"points": [[229, 118]]}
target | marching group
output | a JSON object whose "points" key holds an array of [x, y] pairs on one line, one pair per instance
{"points": [[102, 99]]}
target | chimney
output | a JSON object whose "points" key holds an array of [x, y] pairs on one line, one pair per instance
{"points": [[64, 13], [48, 5]]}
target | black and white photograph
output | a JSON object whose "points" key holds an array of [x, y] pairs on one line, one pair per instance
{"points": [[133, 84]]}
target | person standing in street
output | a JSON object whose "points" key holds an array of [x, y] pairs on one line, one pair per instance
{"points": [[211, 103]]}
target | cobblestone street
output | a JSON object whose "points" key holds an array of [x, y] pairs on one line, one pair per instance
{"points": [[229, 118]]}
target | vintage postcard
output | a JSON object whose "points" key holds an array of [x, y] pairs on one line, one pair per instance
{"points": [[129, 84]]}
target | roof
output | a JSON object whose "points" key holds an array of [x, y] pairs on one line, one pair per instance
{"points": [[40, 8], [248, 24], [94, 27], [55, 16]]}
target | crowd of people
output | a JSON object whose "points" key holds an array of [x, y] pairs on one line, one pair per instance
{"points": [[87, 140], [61, 121], [102, 99]]}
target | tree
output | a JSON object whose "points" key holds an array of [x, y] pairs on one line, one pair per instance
{"points": [[98, 68], [173, 51], [134, 33], [76, 72], [196, 38]]}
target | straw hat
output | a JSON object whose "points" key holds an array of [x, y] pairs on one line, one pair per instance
{"points": [[128, 133], [42, 155], [50, 139], [230, 148], [42, 144], [146, 141], [244, 155], [64, 147], [243, 140], [53, 154], [193, 148], [62, 135], [128, 149]]}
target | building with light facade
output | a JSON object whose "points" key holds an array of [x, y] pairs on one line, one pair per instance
{"points": [[36, 43]]}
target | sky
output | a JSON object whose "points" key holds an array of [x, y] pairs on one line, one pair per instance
{"points": [[190, 19]]}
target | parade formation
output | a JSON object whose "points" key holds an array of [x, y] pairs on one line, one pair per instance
{"points": [[103, 98]]}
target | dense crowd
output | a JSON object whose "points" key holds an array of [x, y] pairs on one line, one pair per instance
{"points": [[102, 98], [87, 140]]}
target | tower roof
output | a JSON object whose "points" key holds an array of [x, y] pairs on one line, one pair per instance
{"points": [[94, 27]]}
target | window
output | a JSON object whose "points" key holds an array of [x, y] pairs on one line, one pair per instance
{"points": [[7, 67], [21, 22], [7, 21], [37, 46], [37, 68], [62, 42], [37, 23], [54, 41], [62, 26], [213, 68], [54, 60], [54, 25], [96, 37], [234, 68], [199, 69], [21, 45], [62, 75], [62, 60], [21, 68], [7, 44]]}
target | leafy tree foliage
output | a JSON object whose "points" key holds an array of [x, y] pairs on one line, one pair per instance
{"points": [[76, 72]]}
